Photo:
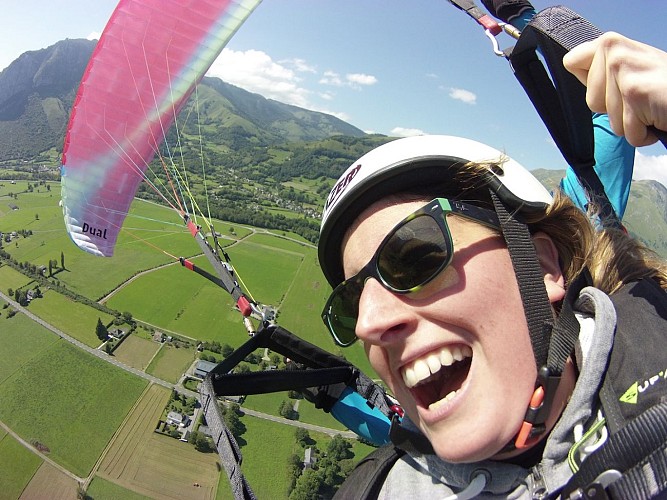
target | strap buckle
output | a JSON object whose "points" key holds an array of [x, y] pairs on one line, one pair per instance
{"points": [[538, 408]]}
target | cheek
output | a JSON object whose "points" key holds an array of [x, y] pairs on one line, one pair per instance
{"points": [[378, 360]]}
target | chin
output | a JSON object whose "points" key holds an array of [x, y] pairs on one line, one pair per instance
{"points": [[465, 447]]}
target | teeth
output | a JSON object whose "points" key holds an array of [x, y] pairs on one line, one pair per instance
{"points": [[421, 369], [437, 404]]}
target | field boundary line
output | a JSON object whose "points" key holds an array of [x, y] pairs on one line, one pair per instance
{"points": [[41, 455]]}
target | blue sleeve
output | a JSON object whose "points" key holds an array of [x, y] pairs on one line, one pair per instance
{"points": [[614, 164], [353, 412]]}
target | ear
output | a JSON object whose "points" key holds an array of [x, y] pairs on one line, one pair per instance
{"points": [[547, 254]]}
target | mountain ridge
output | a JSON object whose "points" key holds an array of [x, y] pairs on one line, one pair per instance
{"points": [[264, 143]]}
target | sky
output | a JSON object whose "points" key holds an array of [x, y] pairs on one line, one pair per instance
{"points": [[385, 66]]}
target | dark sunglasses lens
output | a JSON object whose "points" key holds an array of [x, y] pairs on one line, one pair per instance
{"points": [[416, 253], [342, 312]]}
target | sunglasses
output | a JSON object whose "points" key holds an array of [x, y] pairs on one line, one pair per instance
{"points": [[415, 251]]}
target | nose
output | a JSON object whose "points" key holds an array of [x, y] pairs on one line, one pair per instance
{"points": [[384, 316]]}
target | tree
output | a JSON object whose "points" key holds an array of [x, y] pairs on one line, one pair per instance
{"points": [[127, 316], [232, 416], [286, 410], [307, 486], [201, 443], [62, 260], [302, 436], [101, 331]]}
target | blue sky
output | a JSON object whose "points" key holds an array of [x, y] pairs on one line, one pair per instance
{"points": [[385, 66]]}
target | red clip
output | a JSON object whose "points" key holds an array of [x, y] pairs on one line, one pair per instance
{"points": [[535, 403], [244, 306], [490, 24], [397, 410]]}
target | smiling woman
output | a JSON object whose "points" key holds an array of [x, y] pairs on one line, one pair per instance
{"points": [[485, 311]]}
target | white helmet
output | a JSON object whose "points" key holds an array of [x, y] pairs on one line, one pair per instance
{"points": [[410, 163]]}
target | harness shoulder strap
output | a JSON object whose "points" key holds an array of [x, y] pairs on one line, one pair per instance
{"points": [[558, 97], [367, 478]]}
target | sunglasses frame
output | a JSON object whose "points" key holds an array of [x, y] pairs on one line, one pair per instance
{"points": [[438, 209]]}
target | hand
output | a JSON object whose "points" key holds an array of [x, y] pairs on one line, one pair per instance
{"points": [[625, 79]]}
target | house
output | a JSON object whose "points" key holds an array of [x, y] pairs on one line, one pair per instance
{"points": [[203, 368], [175, 418], [309, 459], [159, 337], [116, 333]]}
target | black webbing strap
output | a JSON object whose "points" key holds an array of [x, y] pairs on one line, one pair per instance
{"points": [[638, 451], [565, 332], [228, 449], [323, 367], [316, 368], [537, 307], [558, 97]]}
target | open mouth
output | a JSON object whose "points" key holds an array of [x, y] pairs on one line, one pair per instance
{"points": [[435, 378]]}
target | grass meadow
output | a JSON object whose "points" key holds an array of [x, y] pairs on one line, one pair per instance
{"points": [[19, 465], [71, 317], [101, 489], [171, 362], [268, 448], [136, 352], [69, 401], [10, 278]]}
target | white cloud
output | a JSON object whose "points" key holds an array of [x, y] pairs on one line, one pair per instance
{"points": [[255, 71], [95, 35], [352, 80], [650, 167], [463, 95], [331, 78], [299, 65], [355, 79], [406, 132]]}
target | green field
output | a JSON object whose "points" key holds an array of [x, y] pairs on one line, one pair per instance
{"points": [[10, 278], [18, 466], [101, 489], [170, 363], [62, 387], [71, 317], [21, 340], [268, 448]]}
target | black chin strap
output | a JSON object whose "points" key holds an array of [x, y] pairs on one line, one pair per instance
{"points": [[552, 342]]}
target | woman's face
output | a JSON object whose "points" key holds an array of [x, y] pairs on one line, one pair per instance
{"points": [[457, 353]]}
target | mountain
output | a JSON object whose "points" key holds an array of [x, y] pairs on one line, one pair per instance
{"points": [[645, 217], [36, 93], [38, 88]]}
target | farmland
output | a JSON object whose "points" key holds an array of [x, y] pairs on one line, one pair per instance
{"points": [[59, 397]]}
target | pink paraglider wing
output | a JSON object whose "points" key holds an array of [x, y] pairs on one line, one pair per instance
{"points": [[149, 58]]}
